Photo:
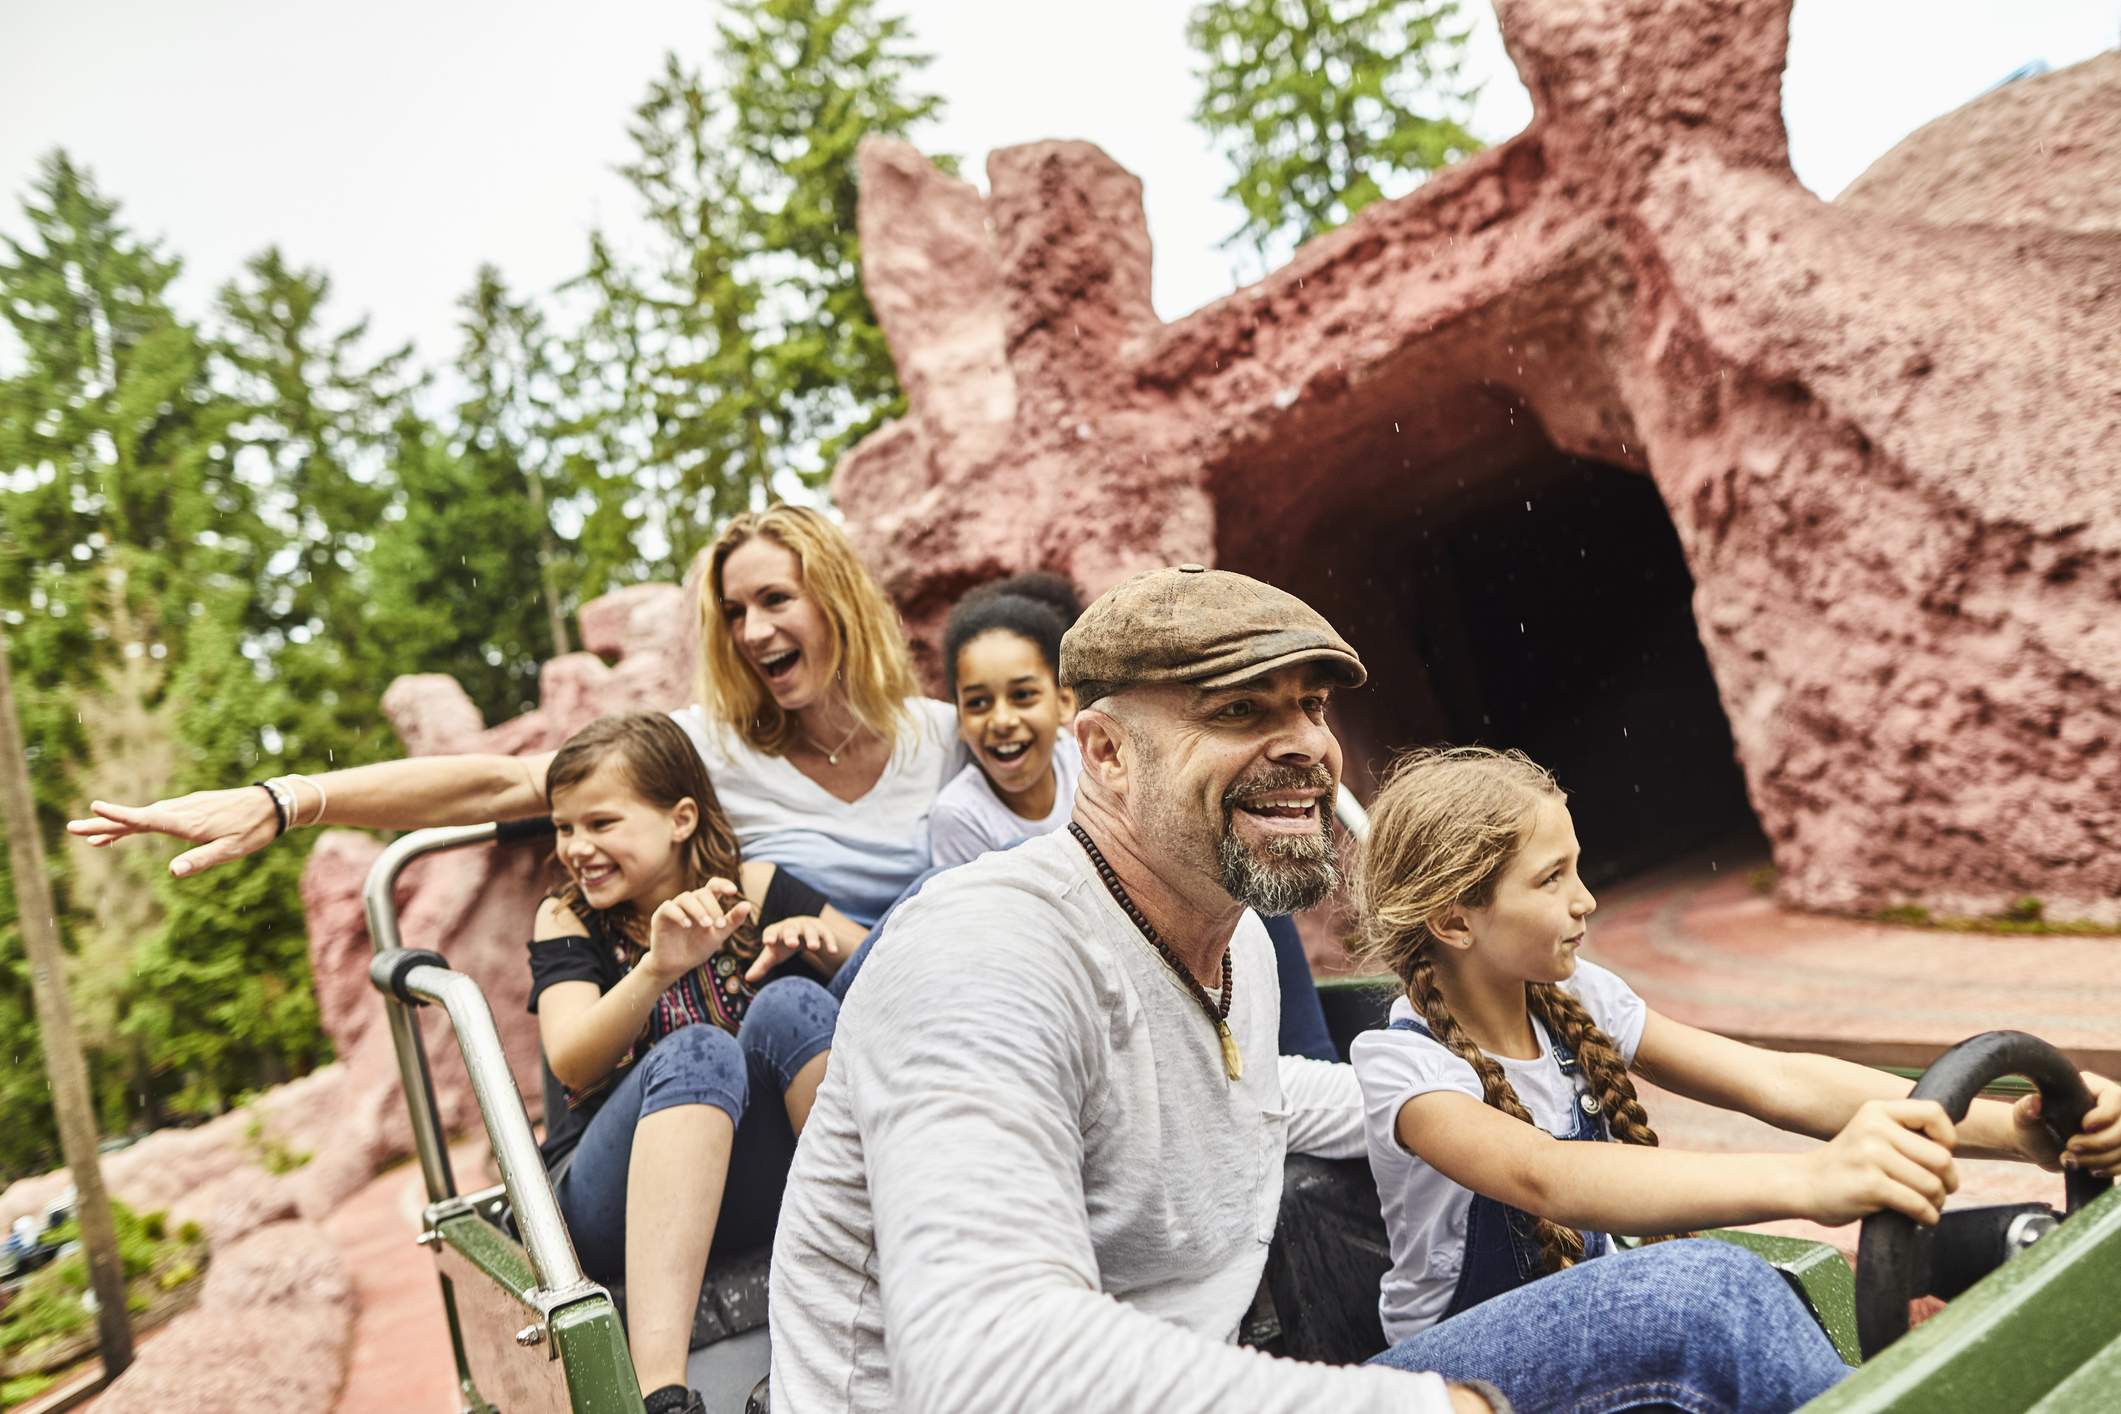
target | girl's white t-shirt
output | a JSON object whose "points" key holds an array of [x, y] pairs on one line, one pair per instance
{"points": [[861, 854], [970, 819], [1425, 1212]]}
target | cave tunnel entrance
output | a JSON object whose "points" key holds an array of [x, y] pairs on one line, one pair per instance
{"points": [[1514, 595]]}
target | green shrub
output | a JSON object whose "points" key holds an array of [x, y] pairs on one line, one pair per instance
{"points": [[190, 1233], [24, 1388], [47, 1308]]}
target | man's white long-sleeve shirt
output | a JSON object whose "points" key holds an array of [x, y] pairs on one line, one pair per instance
{"points": [[1028, 1184]]}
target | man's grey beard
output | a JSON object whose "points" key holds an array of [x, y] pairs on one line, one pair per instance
{"points": [[1296, 872]]}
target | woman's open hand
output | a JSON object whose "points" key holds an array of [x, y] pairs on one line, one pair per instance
{"points": [[1894, 1154], [788, 937], [691, 928], [225, 824], [2095, 1148]]}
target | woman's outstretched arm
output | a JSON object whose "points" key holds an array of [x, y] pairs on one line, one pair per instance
{"points": [[389, 795]]}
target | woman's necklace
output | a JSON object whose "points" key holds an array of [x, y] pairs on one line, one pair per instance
{"points": [[1218, 1010], [832, 757]]}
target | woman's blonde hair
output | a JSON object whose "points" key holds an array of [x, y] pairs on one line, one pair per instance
{"points": [[1444, 826], [870, 659]]}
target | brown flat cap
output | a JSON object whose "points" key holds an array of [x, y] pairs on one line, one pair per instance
{"points": [[1190, 624]]}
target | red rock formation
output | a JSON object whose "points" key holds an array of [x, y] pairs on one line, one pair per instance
{"points": [[273, 1325], [1883, 433]]}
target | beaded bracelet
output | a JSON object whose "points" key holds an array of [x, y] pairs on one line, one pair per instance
{"points": [[279, 811]]}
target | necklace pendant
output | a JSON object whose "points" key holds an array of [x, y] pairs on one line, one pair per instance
{"points": [[1233, 1061], [831, 760]]}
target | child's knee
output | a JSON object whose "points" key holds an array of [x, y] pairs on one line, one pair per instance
{"points": [[788, 1022], [695, 1065]]}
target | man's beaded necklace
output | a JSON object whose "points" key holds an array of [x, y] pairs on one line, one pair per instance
{"points": [[1218, 1009]]}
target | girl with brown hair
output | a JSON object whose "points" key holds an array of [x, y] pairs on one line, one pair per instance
{"points": [[1505, 1046], [809, 719], [678, 992]]}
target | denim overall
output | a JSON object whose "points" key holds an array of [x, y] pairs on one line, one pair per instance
{"points": [[1501, 1253]]}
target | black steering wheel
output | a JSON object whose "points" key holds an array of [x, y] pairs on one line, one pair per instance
{"points": [[1898, 1260]]}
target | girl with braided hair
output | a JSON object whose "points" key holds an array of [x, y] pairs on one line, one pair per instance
{"points": [[1506, 1046]]}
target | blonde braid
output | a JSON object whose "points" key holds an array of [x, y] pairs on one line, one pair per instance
{"points": [[1567, 1020], [1559, 1245]]}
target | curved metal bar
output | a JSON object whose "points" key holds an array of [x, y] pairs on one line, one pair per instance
{"points": [[1348, 810], [379, 901], [515, 1150], [379, 894]]}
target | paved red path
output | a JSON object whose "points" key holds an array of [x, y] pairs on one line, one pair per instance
{"points": [[1701, 945], [400, 1360]]}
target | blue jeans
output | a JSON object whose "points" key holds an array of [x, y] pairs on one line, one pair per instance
{"points": [[1697, 1325], [790, 1021]]}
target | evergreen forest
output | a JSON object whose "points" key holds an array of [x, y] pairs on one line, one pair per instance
{"points": [[225, 530]]}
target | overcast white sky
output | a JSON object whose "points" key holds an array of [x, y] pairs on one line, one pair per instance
{"points": [[399, 143]]}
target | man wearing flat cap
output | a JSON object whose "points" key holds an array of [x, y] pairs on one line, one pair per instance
{"points": [[1046, 1162]]}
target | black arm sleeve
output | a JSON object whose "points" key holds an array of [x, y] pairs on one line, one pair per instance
{"points": [[574, 959], [790, 897]]}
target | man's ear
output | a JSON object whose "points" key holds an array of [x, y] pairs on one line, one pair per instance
{"points": [[1101, 738], [1450, 926], [684, 820]]}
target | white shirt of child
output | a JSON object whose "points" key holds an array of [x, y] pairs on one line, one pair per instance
{"points": [[859, 853], [971, 820], [1425, 1212]]}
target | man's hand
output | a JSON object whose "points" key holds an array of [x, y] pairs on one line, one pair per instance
{"points": [[225, 824], [2095, 1148], [788, 937]]}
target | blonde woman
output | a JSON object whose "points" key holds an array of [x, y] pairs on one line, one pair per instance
{"points": [[824, 752]]}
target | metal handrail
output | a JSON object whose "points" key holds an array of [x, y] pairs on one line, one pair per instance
{"points": [[515, 1151], [1348, 810]]}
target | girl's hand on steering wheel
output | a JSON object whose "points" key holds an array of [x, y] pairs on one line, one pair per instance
{"points": [[692, 927], [2096, 1148], [787, 938], [225, 824], [1894, 1154]]}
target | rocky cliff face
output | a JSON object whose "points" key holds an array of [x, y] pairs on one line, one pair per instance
{"points": [[1884, 431]]}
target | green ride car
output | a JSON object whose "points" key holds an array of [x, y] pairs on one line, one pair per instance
{"points": [[2032, 1322]]}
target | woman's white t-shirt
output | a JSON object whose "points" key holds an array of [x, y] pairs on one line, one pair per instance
{"points": [[971, 819], [1425, 1212], [862, 853]]}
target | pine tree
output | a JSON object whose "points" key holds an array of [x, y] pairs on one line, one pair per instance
{"points": [[806, 81], [507, 429], [317, 439], [752, 355], [1319, 104], [456, 586], [123, 524]]}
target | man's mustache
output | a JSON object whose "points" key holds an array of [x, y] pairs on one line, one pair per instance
{"points": [[1275, 779]]}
